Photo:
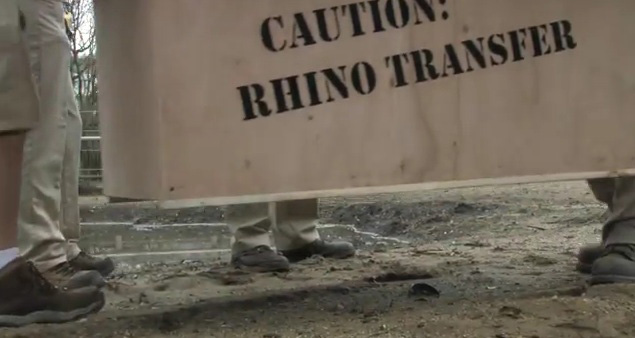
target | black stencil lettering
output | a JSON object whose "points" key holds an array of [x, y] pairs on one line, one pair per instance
{"points": [[423, 60], [314, 94], [397, 20], [475, 50], [562, 34], [424, 6], [356, 21], [340, 83], [363, 77], [376, 14], [518, 44], [451, 62], [301, 31], [323, 25], [337, 81], [267, 36], [257, 100], [497, 49], [539, 40], [281, 93], [398, 68]]}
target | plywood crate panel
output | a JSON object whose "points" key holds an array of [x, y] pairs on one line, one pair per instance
{"points": [[231, 98]]}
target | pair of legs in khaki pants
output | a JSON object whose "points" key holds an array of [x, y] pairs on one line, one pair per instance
{"points": [[50, 173], [614, 259], [294, 228], [26, 297]]}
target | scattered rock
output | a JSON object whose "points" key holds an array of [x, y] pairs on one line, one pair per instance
{"points": [[161, 287], [313, 260], [143, 298], [477, 244], [233, 277], [423, 290], [510, 311], [464, 208], [539, 260], [381, 247]]}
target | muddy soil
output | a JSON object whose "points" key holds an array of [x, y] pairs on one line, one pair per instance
{"points": [[487, 262]]}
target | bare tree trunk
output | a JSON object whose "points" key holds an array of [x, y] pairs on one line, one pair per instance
{"points": [[83, 46]]}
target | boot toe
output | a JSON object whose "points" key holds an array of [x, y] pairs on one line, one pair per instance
{"points": [[590, 253], [587, 255], [106, 267], [613, 268], [270, 265], [339, 250], [86, 279], [260, 259]]}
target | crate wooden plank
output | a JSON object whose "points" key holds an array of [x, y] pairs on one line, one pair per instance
{"points": [[243, 100]]}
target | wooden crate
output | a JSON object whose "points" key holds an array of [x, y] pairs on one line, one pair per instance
{"points": [[231, 101]]}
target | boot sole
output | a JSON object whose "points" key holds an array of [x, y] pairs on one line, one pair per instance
{"points": [[298, 259], [52, 317], [611, 279], [261, 269], [342, 256]]}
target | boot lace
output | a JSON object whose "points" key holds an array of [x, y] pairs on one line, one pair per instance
{"points": [[32, 277], [66, 270]]}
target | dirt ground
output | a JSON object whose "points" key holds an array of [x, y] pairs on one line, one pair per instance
{"points": [[483, 262]]}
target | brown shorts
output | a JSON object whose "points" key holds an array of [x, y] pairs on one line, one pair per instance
{"points": [[18, 99]]}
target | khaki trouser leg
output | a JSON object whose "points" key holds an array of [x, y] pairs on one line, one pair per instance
{"points": [[40, 238], [70, 224], [249, 224], [620, 229], [295, 223], [18, 100]]}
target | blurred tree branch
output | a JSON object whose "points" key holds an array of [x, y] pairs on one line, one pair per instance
{"points": [[83, 50]]}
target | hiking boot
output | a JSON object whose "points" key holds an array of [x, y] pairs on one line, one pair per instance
{"points": [[260, 259], [26, 297], [617, 265], [587, 255], [65, 276], [86, 262], [339, 250]]}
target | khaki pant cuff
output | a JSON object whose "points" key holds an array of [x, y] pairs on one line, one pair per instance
{"points": [[72, 250]]}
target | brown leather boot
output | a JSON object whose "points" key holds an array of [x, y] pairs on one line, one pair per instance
{"points": [[587, 255], [617, 265], [260, 259], [26, 297]]}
